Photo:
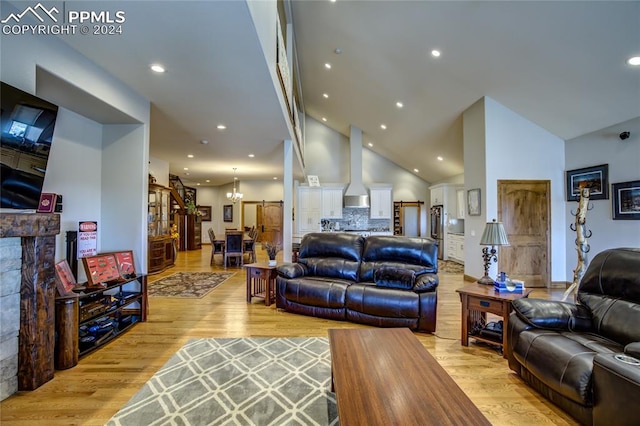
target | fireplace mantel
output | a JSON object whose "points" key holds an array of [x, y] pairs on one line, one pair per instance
{"points": [[37, 232]]}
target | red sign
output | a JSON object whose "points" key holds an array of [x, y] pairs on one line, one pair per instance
{"points": [[88, 226]]}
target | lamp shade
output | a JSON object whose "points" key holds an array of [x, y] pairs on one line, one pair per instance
{"points": [[494, 235]]}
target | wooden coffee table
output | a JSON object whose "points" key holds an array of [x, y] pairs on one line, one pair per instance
{"points": [[384, 376], [478, 300]]}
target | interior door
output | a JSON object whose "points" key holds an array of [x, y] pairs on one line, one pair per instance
{"points": [[412, 221], [269, 220], [525, 211]]}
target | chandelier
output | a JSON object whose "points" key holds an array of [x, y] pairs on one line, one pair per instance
{"points": [[235, 195]]}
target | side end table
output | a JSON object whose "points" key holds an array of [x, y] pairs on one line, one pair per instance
{"points": [[477, 300], [261, 281]]}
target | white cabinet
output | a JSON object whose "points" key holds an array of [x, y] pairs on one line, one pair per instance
{"points": [[461, 203], [455, 248], [380, 203], [309, 209], [437, 196], [332, 203]]}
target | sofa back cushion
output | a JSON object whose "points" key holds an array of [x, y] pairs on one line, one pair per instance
{"points": [[419, 255], [610, 289], [332, 255]]}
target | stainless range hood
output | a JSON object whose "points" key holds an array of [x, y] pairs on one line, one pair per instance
{"points": [[356, 195]]}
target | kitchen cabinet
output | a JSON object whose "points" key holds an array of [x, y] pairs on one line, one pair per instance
{"points": [[380, 199], [455, 248], [461, 203], [437, 195], [309, 209], [331, 203]]}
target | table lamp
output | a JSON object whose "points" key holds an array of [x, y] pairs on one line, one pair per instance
{"points": [[493, 235]]}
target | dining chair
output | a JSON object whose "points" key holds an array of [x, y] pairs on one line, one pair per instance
{"points": [[217, 246], [233, 246], [250, 244]]}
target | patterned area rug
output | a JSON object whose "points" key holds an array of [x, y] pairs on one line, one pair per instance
{"points": [[449, 267], [187, 284], [241, 381]]}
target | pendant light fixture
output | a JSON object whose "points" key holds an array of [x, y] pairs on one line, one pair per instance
{"points": [[235, 195]]}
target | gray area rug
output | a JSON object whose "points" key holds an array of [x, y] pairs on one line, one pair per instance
{"points": [[187, 284], [238, 381]]}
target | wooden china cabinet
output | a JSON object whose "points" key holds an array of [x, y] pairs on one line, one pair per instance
{"points": [[161, 246]]}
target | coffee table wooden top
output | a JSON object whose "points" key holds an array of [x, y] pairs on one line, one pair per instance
{"points": [[488, 292], [384, 376]]}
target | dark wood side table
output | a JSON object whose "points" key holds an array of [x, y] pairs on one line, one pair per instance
{"points": [[261, 281], [477, 300]]}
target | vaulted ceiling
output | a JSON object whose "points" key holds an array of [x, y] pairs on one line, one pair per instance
{"points": [[561, 65]]}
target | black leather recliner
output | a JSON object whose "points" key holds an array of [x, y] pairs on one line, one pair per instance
{"points": [[383, 281], [585, 357]]}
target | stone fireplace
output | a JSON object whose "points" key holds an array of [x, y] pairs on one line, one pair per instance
{"points": [[27, 300]]}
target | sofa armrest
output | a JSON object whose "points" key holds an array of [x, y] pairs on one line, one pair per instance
{"points": [[292, 270], [553, 315], [425, 283], [616, 389], [633, 349]]}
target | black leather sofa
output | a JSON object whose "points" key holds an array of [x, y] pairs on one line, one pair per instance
{"points": [[384, 281], [585, 356]]}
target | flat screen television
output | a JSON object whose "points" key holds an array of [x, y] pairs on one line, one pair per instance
{"points": [[27, 124]]}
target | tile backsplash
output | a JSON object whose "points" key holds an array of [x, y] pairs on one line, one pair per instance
{"points": [[356, 219]]}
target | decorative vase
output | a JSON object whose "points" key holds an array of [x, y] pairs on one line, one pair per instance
{"points": [[272, 262]]}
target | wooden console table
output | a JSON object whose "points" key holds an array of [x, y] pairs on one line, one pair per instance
{"points": [[261, 281], [384, 376], [477, 300]]}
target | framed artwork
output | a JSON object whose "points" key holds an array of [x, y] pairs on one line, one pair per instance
{"points": [[473, 202], [205, 213], [101, 269], [65, 281], [595, 178], [227, 213], [124, 260], [626, 200]]}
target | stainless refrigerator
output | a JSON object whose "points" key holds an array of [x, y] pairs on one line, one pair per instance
{"points": [[437, 228]]}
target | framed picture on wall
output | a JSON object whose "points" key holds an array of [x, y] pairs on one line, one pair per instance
{"points": [[626, 200], [227, 213], [473, 202], [595, 178], [205, 213]]}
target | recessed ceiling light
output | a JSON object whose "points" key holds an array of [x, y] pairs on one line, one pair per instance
{"points": [[439, 158], [435, 53], [221, 127], [332, 1], [324, 119], [186, 168], [370, 144], [634, 61], [383, 126], [157, 68], [204, 142], [187, 174], [327, 66], [338, 51], [325, 95], [251, 155], [208, 180], [399, 104], [198, 184], [275, 178], [416, 170], [190, 156]]}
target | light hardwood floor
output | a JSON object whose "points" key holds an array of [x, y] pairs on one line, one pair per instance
{"points": [[91, 392]]}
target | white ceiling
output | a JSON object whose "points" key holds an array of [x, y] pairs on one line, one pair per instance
{"points": [[559, 64]]}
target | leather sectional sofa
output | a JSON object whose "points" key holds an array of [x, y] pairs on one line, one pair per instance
{"points": [[384, 281], [585, 356]]}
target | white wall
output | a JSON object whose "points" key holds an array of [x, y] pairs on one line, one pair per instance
{"points": [[500, 144], [160, 170], [516, 148], [76, 167], [623, 158]]}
